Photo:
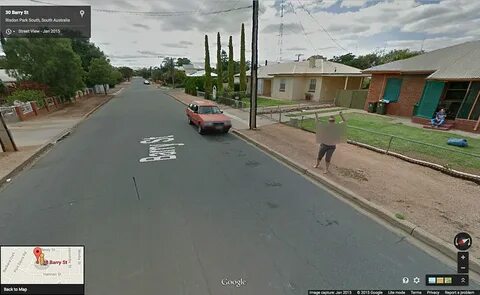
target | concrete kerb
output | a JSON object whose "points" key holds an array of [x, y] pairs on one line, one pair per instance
{"points": [[46, 147], [406, 226], [38, 153], [172, 96]]}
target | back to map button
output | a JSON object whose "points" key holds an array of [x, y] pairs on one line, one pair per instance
{"points": [[40, 270], [44, 289]]}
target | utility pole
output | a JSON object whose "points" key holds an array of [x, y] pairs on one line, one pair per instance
{"points": [[173, 73], [7, 144], [254, 67]]}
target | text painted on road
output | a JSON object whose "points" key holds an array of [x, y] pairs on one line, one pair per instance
{"points": [[160, 148]]}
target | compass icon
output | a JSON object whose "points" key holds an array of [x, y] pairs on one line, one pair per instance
{"points": [[462, 241]]}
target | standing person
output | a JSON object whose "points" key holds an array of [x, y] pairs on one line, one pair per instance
{"points": [[328, 146]]}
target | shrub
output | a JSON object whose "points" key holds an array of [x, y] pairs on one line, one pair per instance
{"points": [[27, 95], [192, 84]]}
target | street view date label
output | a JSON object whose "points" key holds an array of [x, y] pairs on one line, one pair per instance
{"points": [[160, 148]]}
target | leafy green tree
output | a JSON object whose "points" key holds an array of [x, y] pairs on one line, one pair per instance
{"points": [[183, 61], [87, 51], [168, 69], [374, 59], [145, 73], [219, 65], [50, 61], [127, 72], [398, 54], [243, 71], [157, 74], [208, 70], [115, 77], [231, 73], [100, 72]]}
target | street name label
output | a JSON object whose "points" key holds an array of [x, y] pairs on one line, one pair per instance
{"points": [[160, 148], [42, 269]]}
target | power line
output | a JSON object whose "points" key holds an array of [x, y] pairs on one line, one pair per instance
{"points": [[321, 26], [159, 13], [303, 30]]}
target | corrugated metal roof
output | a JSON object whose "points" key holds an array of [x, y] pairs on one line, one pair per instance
{"points": [[460, 61]]}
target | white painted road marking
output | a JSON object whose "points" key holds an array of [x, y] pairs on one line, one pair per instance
{"points": [[160, 149]]}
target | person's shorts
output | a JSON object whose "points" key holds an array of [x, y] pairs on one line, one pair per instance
{"points": [[326, 150]]}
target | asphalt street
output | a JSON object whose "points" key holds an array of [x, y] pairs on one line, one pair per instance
{"points": [[221, 210]]}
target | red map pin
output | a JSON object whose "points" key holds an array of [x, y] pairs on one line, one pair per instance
{"points": [[37, 252]]}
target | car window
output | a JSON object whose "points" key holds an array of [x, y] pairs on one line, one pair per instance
{"points": [[209, 110]]}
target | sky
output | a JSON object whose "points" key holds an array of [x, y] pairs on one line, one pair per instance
{"points": [[142, 32]]}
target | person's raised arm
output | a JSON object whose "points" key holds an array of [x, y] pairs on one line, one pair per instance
{"points": [[343, 118]]}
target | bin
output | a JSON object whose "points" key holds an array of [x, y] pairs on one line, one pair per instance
{"points": [[382, 108], [372, 107]]}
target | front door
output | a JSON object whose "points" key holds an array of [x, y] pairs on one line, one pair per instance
{"points": [[430, 98]]}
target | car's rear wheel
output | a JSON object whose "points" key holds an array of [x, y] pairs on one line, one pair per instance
{"points": [[200, 129]]}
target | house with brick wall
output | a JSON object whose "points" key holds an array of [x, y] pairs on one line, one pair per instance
{"points": [[417, 87]]}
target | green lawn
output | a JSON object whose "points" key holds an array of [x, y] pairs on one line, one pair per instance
{"points": [[384, 125]]}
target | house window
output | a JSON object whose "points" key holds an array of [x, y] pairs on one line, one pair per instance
{"points": [[313, 85], [282, 85]]}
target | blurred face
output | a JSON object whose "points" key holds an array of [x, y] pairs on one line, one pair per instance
{"points": [[442, 110]]}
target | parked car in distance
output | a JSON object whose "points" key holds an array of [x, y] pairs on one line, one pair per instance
{"points": [[146, 82], [207, 116]]}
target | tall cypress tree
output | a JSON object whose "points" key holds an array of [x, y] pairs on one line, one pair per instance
{"points": [[208, 78], [243, 73], [219, 65], [231, 73]]}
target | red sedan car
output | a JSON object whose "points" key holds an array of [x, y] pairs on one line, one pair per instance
{"points": [[207, 116]]}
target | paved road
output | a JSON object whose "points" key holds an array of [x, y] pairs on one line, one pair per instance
{"points": [[221, 210]]}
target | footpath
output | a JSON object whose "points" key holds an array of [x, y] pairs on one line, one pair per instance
{"points": [[34, 137], [427, 204]]}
